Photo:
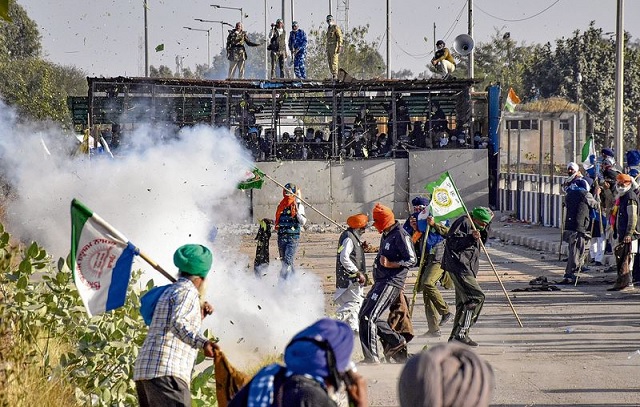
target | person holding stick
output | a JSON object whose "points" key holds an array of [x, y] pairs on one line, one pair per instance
{"points": [[434, 305], [290, 217], [162, 371], [461, 259]]}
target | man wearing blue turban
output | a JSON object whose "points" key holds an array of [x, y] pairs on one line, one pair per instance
{"points": [[317, 363]]}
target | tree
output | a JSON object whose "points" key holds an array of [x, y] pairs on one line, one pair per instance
{"points": [[19, 38], [402, 74], [162, 71], [359, 57]]}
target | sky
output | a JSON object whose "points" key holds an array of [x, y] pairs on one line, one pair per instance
{"points": [[160, 201], [106, 38]]}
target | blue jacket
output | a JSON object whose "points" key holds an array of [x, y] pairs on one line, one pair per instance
{"points": [[397, 247], [297, 40]]}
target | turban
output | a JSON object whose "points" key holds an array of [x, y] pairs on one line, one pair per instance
{"points": [[419, 200], [482, 214], [624, 178], [607, 152], [193, 259], [306, 353], [382, 217], [633, 158], [446, 375], [358, 221], [573, 166]]}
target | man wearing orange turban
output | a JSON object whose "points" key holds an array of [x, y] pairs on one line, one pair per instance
{"points": [[390, 270], [350, 271]]}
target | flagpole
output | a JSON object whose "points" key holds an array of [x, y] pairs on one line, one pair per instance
{"points": [[303, 201], [420, 270], [122, 237], [493, 267]]}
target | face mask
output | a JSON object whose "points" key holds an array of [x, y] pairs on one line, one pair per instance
{"points": [[621, 190]]}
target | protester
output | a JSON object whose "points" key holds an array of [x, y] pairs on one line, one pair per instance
{"points": [[574, 176], [443, 60], [278, 48], [317, 365], [628, 231], [447, 375], [390, 268], [162, 371], [577, 228], [435, 307], [298, 48], [261, 261], [461, 259], [290, 217], [351, 271], [334, 45], [236, 52]]}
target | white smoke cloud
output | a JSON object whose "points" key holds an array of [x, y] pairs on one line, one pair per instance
{"points": [[161, 195]]}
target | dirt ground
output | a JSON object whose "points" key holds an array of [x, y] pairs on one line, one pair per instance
{"points": [[579, 346]]}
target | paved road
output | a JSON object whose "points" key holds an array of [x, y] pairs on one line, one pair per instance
{"points": [[576, 347]]}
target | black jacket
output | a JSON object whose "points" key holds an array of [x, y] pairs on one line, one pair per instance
{"points": [[461, 250]]}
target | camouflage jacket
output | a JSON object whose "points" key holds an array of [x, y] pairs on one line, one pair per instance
{"points": [[236, 40]]}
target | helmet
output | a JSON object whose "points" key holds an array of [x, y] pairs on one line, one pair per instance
{"points": [[329, 18], [439, 42], [294, 24]]}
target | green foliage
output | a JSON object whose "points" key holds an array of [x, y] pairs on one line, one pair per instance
{"points": [[41, 301], [36, 88], [20, 38], [359, 57]]}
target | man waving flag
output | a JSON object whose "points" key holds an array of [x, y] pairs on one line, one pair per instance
{"points": [[101, 260]]}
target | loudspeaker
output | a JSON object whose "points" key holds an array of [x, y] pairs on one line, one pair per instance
{"points": [[463, 44]]}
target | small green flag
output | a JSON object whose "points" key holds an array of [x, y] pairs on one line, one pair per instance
{"points": [[254, 180], [160, 48], [4, 10]]}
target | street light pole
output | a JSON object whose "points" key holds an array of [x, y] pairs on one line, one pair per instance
{"points": [[222, 24], [388, 45], [208, 31], [618, 122], [232, 8], [145, 5]]}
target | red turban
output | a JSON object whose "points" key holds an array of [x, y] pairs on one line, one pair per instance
{"points": [[382, 217]]}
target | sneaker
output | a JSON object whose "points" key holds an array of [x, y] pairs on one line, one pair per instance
{"points": [[446, 318], [598, 264], [466, 340], [392, 350], [433, 334]]}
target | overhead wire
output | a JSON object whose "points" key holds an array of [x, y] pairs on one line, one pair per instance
{"points": [[455, 22], [416, 56], [518, 19]]}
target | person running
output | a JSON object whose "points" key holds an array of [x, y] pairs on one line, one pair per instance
{"points": [[390, 268], [461, 259]]}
